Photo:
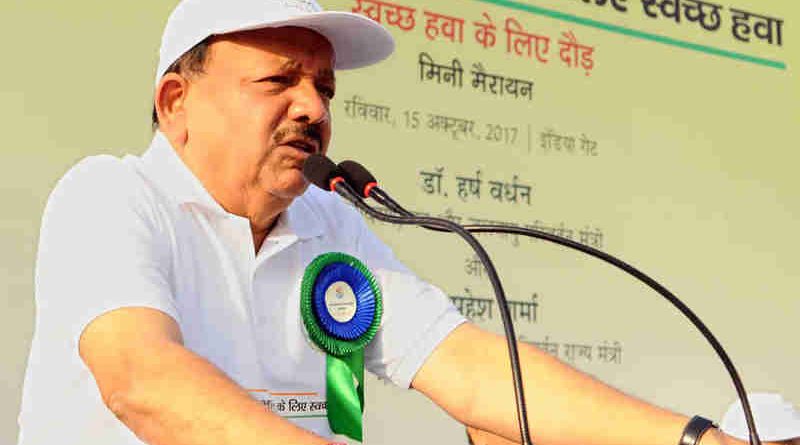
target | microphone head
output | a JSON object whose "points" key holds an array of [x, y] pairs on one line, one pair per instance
{"points": [[320, 171], [357, 176]]}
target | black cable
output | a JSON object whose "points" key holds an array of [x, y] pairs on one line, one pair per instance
{"points": [[363, 179], [383, 198], [448, 226]]}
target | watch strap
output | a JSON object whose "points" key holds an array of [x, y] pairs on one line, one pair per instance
{"points": [[694, 430]]}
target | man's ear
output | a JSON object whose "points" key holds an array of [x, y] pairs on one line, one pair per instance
{"points": [[170, 101]]}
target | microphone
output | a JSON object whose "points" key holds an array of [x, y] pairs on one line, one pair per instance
{"points": [[358, 177], [362, 180], [322, 172]]}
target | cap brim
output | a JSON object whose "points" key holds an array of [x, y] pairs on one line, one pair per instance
{"points": [[357, 40]]}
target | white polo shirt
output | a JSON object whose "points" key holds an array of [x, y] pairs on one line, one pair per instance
{"points": [[142, 231]]}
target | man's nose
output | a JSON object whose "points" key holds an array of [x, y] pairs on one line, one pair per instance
{"points": [[308, 104]]}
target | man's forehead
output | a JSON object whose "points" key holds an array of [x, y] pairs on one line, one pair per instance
{"points": [[285, 36], [297, 66], [292, 47]]}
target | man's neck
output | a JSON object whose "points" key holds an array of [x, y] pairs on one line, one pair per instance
{"points": [[260, 235]]}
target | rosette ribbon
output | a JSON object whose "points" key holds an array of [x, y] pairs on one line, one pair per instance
{"points": [[341, 306]]}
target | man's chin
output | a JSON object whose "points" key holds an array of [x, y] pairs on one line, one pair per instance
{"points": [[290, 192]]}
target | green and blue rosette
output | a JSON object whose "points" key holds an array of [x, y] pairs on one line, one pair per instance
{"points": [[340, 303]]}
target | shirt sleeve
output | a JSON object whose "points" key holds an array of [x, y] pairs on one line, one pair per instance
{"points": [[100, 249], [417, 315]]}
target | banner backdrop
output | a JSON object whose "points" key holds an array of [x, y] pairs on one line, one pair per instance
{"points": [[664, 132]]}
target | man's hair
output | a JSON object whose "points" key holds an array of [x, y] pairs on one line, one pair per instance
{"points": [[191, 63]]}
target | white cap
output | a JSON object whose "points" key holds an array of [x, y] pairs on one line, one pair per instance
{"points": [[357, 40], [775, 418]]}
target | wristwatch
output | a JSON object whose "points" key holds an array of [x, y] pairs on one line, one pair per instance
{"points": [[694, 430]]}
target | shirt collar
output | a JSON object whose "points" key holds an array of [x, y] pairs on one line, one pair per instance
{"points": [[170, 173]]}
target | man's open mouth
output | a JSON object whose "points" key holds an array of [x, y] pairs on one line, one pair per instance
{"points": [[304, 145]]}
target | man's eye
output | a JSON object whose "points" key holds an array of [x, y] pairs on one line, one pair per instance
{"points": [[280, 80], [328, 92]]}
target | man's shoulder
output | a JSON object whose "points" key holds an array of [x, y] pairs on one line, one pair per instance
{"points": [[100, 172], [97, 181]]}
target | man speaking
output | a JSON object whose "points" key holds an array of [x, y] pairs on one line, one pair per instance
{"points": [[170, 287]]}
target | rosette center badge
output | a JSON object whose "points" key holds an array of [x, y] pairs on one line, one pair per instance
{"points": [[340, 301]]}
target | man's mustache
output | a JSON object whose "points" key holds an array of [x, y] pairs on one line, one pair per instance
{"points": [[309, 131]]}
